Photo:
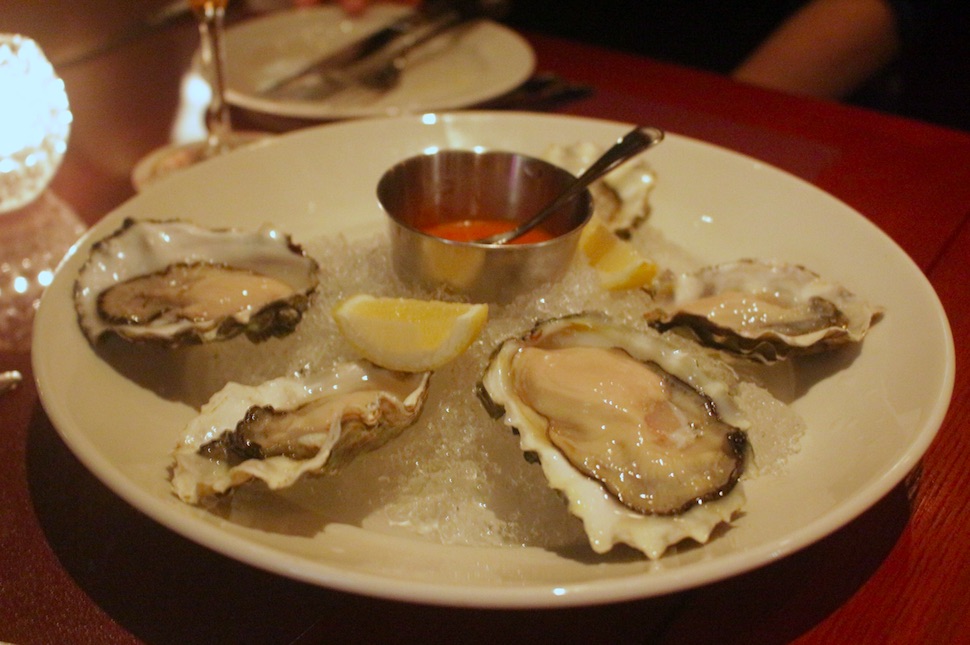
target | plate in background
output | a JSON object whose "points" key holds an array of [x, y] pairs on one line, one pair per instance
{"points": [[484, 61]]}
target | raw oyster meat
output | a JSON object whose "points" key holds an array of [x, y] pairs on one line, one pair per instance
{"points": [[291, 426], [638, 431], [621, 197], [766, 311], [177, 283]]}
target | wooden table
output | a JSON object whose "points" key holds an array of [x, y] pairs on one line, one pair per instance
{"points": [[79, 565]]}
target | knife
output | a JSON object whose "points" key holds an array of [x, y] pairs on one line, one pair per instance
{"points": [[428, 13], [378, 72]]}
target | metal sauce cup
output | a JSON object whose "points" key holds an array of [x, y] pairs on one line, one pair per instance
{"points": [[458, 185]]}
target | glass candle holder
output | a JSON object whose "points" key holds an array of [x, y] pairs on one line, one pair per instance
{"points": [[36, 228], [35, 121]]}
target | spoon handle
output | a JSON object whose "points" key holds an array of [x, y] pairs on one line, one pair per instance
{"points": [[632, 143]]}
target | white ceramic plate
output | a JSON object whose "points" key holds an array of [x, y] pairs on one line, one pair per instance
{"points": [[869, 421], [484, 62]]}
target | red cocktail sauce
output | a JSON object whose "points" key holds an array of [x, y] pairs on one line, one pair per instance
{"points": [[467, 230]]}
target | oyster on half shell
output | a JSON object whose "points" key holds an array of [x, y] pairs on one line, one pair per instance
{"points": [[292, 426], [176, 283], [765, 311], [640, 434], [622, 196]]}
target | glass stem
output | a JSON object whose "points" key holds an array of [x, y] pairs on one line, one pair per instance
{"points": [[217, 120]]}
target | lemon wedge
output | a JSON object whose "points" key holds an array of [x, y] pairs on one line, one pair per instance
{"points": [[616, 261], [406, 334]]}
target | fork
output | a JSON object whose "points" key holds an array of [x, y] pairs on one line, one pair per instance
{"points": [[381, 73]]}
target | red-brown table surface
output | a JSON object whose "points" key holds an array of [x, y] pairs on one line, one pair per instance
{"points": [[77, 564]]}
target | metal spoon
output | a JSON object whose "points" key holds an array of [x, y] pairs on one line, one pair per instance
{"points": [[632, 143]]}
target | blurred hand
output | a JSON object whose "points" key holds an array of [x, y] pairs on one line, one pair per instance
{"points": [[350, 6]]}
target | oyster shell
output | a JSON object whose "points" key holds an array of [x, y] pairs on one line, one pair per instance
{"points": [[290, 426], [766, 311], [621, 197], [639, 433], [177, 283]]}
